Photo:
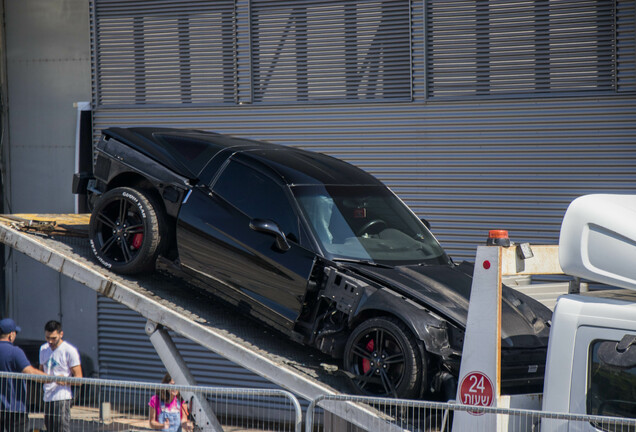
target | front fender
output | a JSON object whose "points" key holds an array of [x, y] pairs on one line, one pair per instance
{"points": [[428, 328]]}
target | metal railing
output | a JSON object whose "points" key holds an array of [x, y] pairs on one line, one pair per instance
{"points": [[99, 405], [420, 416], [123, 406]]}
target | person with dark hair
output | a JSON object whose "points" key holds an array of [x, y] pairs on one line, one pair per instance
{"points": [[58, 358], [13, 406], [168, 411]]}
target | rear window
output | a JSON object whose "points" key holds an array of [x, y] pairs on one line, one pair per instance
{"points": [[192, 151]]}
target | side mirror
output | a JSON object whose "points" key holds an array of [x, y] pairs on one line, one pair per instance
{"points": [[426, 223], [621, 355], [270, 227]]}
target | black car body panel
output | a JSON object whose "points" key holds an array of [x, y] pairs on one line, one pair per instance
{"points": [[217, 244], [310, 244], [446, 290], [296, 166], [184, 153]]}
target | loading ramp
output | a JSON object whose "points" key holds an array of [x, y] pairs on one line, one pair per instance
{"points": [[59, 242]]}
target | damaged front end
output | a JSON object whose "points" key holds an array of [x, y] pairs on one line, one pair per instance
{"points": [[346, 296], [340, 300]]}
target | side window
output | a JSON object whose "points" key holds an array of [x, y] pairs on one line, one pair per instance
{"points": [[611, 387], [257, 196]]}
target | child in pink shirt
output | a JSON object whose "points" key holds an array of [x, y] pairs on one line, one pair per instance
{"points": [[167, 411]]}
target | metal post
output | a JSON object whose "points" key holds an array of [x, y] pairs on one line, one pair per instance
{"points": [[178, 369]]}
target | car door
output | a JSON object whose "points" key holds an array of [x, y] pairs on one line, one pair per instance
{"points": [[216, 243]]}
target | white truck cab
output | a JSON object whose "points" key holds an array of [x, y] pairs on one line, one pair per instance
{"points": [[591, 364], [591, 361]]}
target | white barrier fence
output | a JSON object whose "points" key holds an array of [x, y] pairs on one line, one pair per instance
{"points": [[420, 416], [106, 405]]}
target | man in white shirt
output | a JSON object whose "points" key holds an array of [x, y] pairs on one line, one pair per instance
{"points": [[58, 358]]}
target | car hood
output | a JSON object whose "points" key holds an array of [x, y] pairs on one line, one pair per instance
{"points": [[445, 289]]}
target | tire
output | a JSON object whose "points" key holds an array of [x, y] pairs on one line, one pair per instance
{"points": [[127, 230], [395, 369]]}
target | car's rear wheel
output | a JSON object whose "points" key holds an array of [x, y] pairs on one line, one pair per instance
{"points": [[127, 230], [382, 359]]}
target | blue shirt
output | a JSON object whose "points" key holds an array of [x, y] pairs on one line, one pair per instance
{"points": [[12, 392]]}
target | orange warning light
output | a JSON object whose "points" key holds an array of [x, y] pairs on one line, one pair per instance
{"points": [[497, 234], [498, 238]]}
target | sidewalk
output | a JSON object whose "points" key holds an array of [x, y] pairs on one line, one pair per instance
{"points": [[87, 419]]}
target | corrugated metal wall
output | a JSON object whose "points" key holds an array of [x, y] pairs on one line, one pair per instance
{"points": [[467, 167], [125, 353], [467, 164], [501, 153]]}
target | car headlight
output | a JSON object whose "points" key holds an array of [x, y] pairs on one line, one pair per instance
{"points": [[455, 337]]}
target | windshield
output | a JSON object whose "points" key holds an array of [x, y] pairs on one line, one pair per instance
{"points": [[367, 223]]}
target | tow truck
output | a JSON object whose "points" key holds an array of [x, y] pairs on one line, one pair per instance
{"points": [[591, 361]]}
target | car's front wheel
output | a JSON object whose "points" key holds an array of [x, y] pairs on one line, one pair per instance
{"points": [[127, 230], [382, 359]]}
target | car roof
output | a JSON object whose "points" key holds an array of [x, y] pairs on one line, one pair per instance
{"points": [[188, 151], [301, 167], [184, 151]]}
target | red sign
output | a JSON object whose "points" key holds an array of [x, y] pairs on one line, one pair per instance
{"points": [[476, 389]]}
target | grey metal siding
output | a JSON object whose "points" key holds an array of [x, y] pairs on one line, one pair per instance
{"points": [[515, 48], [467, 167], [125, 353], [330, 50], [164, 52], [625, 49], [492, 159]]}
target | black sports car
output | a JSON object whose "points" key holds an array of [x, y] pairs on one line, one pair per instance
{"points": [[313, 246]]}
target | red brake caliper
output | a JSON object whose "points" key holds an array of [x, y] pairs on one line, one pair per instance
{"points": [[137, 240], [366, 364]]}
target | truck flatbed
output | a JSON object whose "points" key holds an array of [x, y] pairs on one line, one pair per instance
{"points": [[59, 241]]}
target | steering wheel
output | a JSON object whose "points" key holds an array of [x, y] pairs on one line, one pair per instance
{"points": [[368, 225]]}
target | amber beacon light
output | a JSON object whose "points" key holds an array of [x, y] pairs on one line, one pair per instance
{"points": [[498, 238]]}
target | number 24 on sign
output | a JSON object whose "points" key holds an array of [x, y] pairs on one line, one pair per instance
{"points": [[476, 389]]}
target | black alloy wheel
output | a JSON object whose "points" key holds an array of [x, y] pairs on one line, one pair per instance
{"points": [[382, 359], [127, 230]]}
